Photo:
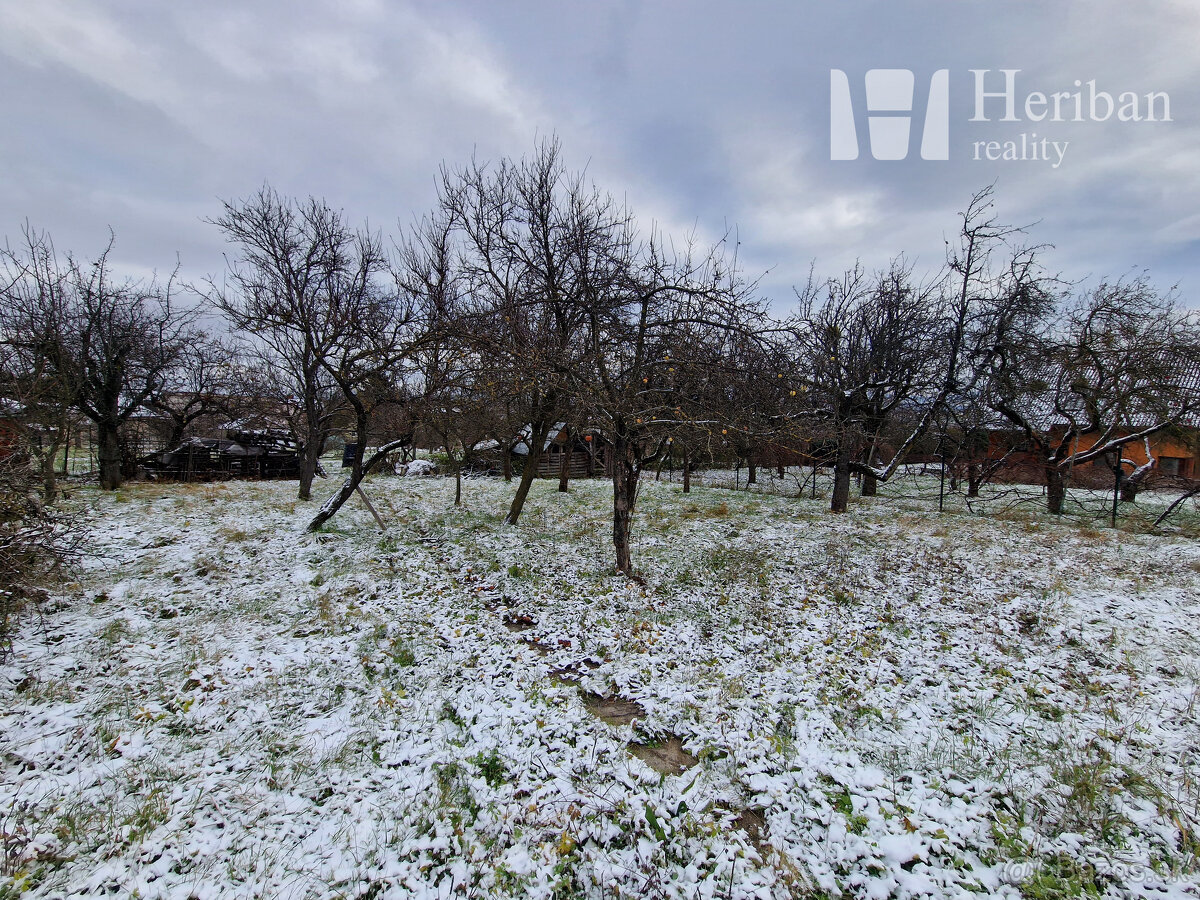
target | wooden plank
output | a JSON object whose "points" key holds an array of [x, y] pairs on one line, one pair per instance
{"points": [[378, 520]]}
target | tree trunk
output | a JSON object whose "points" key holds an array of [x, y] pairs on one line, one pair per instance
{"points": [[1132, 483], [506, 463], [176, 436], [974, 479], [870, 485], [751, 471], [841, 480], [108, 456], [687, 474], [1056, 490], [308, 466], [334, 503], [358, 471], [625, 478], [537, 440], [49, 476], [458, 485], [564, 471]]}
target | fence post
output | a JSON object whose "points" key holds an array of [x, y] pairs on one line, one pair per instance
{"points": [[1117, 486], [942, 469]]}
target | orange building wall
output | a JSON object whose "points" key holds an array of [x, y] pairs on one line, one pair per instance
{"points": [[1161, 445]]}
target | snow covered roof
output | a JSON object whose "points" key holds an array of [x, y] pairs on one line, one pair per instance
{"points": [[522, 447], [1057, 404]]}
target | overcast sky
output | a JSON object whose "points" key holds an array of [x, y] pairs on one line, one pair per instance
{"points": [[143, 116]]}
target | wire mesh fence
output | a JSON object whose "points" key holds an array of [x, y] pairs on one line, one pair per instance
{"points": [[926, 487]]}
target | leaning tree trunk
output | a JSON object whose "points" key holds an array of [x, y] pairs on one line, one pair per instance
{"points": [[841, 480], [1056, 489], [625, 479], [537, 440], [329, 509], [108, 456], [1186, 495], [358, 471]]}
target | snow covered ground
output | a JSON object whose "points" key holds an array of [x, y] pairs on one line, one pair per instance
{"points": [[890, 703]]}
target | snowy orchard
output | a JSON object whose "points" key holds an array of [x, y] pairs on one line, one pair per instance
{"points": [[889, 703]]}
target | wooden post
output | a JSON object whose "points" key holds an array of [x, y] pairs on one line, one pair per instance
{"points": [[1117, 486], [942, 476], [378, 520]]}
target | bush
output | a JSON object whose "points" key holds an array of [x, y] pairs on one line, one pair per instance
{"points": [[35, 543]]}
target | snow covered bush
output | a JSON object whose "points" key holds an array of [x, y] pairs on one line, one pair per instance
{"points": [[420, 467]]}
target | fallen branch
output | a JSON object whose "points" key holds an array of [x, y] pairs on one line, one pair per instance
{"points": [[1170, 509]]}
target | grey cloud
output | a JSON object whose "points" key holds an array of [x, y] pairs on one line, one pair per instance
{"points": [[703, 115]]}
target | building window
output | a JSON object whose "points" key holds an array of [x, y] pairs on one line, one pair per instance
{"points": [[1170, 465]]}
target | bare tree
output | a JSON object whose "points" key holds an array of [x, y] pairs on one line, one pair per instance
{"points": [[289, 254], [378, 329], [654, 319], [499, 417], [206, 380], [749, 394], [970, 446], [454, 408], [37, 542], [108, 343], [38, 400], [1110, 369], [523, 232], [571, 315], [866, 349], [876, 347]]}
